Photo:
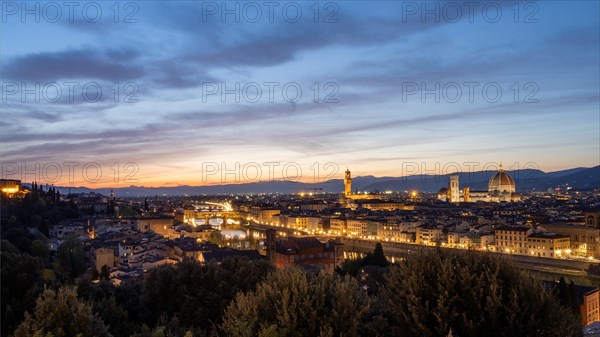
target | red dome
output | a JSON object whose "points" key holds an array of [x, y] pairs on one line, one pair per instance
{"points": [[501, 182]]}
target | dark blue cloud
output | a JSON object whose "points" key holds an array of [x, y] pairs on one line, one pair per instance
{"points": [[74, 64]]}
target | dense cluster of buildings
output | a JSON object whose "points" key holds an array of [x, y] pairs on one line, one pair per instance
{"points": [[128, 247], [551, 225]]}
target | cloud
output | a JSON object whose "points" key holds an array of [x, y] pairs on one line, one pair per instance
{"points": [[74, 64], [177, 74]]}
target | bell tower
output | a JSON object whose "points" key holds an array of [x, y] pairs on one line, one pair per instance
{"points": [[348, 183], [453, 188]]}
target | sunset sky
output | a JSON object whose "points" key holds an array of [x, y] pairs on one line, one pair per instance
{"points": [[371, 58]]}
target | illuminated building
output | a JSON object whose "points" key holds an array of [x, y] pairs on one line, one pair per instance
{"points": [[501, 188], [357, 227], [305, 252], [309, 223], [337, 226], [512, 239], [522, 240], [12, 188], [380, 205], [186, 214], [549, 245], [589, 304], [584, 240], [155, 224], [266, 215], [398, 231], [348, 195], [428, 234], [347, 183], [454, 193]]}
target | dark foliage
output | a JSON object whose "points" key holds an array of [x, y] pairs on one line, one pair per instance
{"points": [[197, 295], [377, 258], [20, 275], [296, 304], [472, 295]]}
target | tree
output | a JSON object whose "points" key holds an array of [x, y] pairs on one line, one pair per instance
{"points": [[474, 295], [350, 267], [574, 300], [197, 295], [70, 257], [20, 275], [40, 250], [292, 303], [216, 238], [104, 273], [377, 258], [60, 313], [114, 316]]}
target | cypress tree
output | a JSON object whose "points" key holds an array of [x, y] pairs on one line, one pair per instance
{"points": [[378, 258], [573, 300]]}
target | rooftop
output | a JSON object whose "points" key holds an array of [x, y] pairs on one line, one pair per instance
{"points": [[513, 228], [548, 236]]}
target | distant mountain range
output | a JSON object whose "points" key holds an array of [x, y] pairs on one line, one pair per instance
{"points": [[526, 180]]}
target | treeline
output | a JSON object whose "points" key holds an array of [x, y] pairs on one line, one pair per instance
{"points": [[39, 209], [27, 265], [430, 294]]}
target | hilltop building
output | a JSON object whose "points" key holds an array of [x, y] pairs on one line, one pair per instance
{"points": [[12, 188]]}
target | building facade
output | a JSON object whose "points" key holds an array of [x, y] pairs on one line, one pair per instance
{"points": [[305, 252], [512, 239], [549, 245]]}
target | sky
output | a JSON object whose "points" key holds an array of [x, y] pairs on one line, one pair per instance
{"points": [[198, 93]]}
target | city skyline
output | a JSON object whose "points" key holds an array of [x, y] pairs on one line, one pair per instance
{"points": [[300, 168], [372, 67]]}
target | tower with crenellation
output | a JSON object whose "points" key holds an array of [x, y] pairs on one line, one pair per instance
{"points": [[348, 183]]}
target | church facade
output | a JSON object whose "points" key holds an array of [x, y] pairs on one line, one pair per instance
{"points": [[501, 188]]}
